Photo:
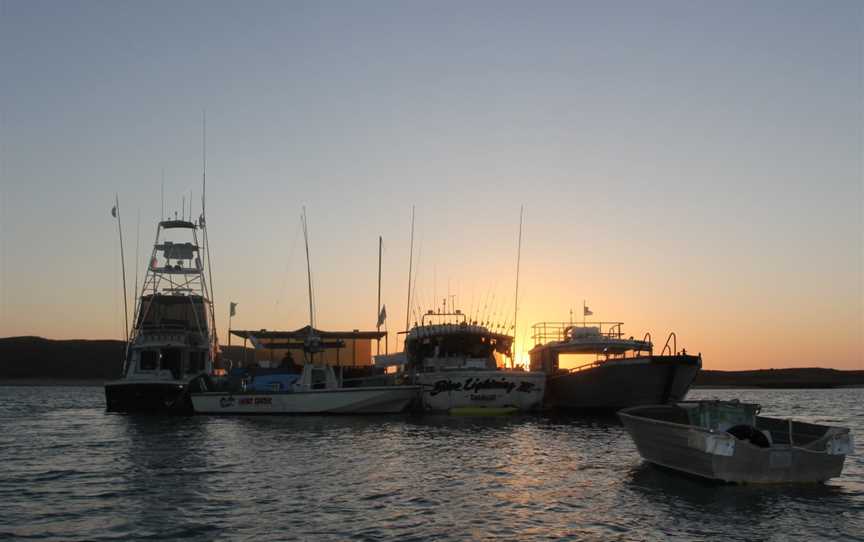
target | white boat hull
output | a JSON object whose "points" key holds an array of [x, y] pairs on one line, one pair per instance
{"points": [[368, 400], [447, 390]]}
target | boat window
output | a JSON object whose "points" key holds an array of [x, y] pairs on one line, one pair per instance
{"points": [[149, 360], [472, 346]]}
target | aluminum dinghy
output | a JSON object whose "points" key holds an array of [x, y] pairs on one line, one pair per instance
{"points": [[729, 441]]}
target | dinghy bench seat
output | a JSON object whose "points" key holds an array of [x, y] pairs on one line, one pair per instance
{"points": [[801, 434]]}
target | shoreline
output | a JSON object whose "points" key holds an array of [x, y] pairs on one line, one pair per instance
{"points": [[85, 382]]}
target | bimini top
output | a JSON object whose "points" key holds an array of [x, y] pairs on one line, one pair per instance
{"points": [[452, 323], [306, 338], [305, 331], [463, 328], [171, 224]]}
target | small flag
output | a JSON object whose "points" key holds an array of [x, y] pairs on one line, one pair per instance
{"points": [[233, 309], [114, 211], [587, 311], [382, 316]]}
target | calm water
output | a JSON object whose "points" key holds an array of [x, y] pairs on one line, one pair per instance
{"points": [[70, 471]]}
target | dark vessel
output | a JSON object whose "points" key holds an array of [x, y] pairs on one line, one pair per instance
{"points": [[173, 340], [625, 372]]}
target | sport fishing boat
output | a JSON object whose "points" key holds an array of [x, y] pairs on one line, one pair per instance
{"points": [[624, 372], [460, 367], [730, 442], [173, 340]]}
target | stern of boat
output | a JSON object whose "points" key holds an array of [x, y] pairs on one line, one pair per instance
{"points": [[148, 397]]}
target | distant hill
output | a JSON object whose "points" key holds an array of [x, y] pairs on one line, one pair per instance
{"points": [[812, 377], [34, 358]]}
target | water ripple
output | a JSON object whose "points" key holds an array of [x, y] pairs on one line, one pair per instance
{"points": [[73, 472]]}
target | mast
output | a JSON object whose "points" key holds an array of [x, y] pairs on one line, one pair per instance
{"points": [[410, 265], [516, 301], [116, 213], [308, 270], [202, 222]]}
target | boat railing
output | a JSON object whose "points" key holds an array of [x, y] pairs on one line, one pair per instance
{"points": [[674, 350], [593, 364], [444, 317], [545, 332]]}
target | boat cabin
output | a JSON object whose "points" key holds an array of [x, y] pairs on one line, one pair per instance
{"points": [[600, 341], [165, 356], [171, 337], [179, 312], [447, 341]]}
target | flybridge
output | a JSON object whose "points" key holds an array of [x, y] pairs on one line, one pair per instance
{"points": [[448, 323], [176, 267]]}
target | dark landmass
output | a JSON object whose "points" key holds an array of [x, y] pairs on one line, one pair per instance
{"points": [[29, 360], [811, 377], [33, 359], [38, 358]]}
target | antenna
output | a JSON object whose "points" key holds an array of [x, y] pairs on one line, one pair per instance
{"points": [[434, 286], [163, 195], [410, 265], [203, 162], [378, 315], [137, 243], [516, 301]]}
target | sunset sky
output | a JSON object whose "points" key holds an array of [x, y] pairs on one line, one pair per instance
{"points": [[685, 166]]}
